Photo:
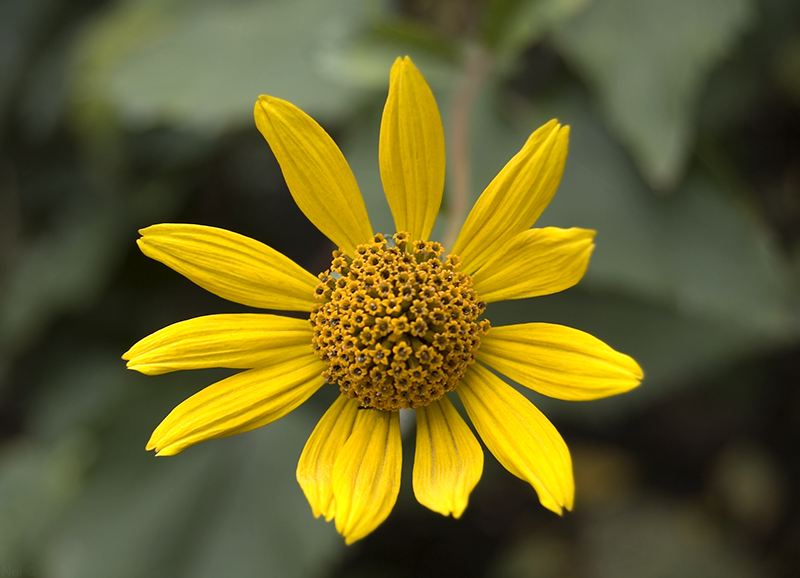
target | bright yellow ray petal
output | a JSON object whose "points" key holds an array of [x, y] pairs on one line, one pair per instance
{"points": [[316, 172], [535, 262], [519, 436], [315, 468], [515, 198], [411, 153], [366, 475], [449, 460], [558, 361], [236, 341], [240, 403], [230, 265]]}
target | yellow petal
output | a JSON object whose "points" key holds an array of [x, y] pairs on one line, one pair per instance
{"points": [[535, 262], [558, 361], [315, 468], [519, 436], [448, 461], [366, 475], [318, 176], [237, 341], [411, 153], [240, 403], [232, 266], [515, 198]]}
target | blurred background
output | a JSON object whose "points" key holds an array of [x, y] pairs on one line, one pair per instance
{"points": [[684, 156]]}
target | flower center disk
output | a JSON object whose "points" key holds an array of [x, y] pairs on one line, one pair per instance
{"points": [[397, 326]]}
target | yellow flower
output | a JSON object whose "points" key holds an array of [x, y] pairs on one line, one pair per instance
{"points": [[393, 323]]}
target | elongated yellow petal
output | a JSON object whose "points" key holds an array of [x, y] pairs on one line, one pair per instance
{"points": [[232, 266], [558, 361], [366, 475], [411, 153], [535, 262], [240, 403], [515, 198], [315, 468], [519, 436], [449, 460], [316, 172], [237, 341]]}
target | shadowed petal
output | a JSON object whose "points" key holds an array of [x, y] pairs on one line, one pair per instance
{"points": [[237, 341], [412, 154], [558, 361], [240, 403], [366, 475], [535, 262], [232, 266], [519, 436], [449, 460], [316, 172], [315, 468], [515, 198]]}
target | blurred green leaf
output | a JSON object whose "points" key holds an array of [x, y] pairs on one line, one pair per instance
{"points": [[652, 538], [229, 506], [367, 61], [61, 270], [37, 482], [514, 25], [647, 61], [263, 511], [134, 519], [787, 67], [204, 64], [22, 23]]}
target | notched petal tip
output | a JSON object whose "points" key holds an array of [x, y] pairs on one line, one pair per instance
{"points": [[366, 474], [636, 370], [448, 461], [521, 438], [266, 104], [315, 466]]}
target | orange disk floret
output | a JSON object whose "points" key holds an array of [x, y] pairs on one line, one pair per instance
{"points": [[398, 326]]}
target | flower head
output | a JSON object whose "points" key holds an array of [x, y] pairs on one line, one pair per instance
{"points": [[394, 323]]}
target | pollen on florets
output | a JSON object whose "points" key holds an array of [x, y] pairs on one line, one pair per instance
{"points": [[397, 325]]}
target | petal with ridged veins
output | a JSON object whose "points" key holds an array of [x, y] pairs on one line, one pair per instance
{"points": [[449, 460], [411, 152], [519, 436], [315, 468], [535, 262], [515, 198], [366, 475], [558, 361], [240, 403], [236, 341], [316, 172], [232, 266]]}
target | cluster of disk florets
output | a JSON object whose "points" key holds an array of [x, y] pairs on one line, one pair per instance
{"points": [[397, 326]]}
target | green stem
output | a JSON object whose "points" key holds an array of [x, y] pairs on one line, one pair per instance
{"points": [[475, 71]]}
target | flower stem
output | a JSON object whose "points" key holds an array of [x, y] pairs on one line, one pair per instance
{"points": [[477, 66]]}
